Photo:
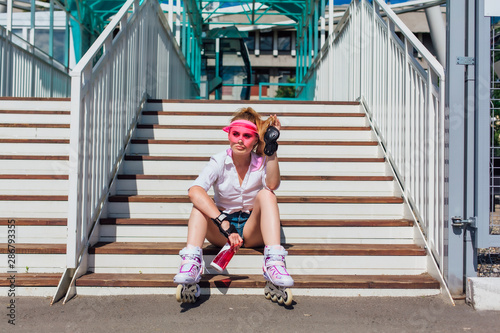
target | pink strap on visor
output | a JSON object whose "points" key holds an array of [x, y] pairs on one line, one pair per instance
{"points": [[241, 123]]}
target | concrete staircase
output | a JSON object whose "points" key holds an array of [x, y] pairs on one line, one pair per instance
{"points": [[344, 222]]}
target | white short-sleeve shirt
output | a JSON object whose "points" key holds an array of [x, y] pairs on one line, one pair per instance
{"points": [[221, 173]]}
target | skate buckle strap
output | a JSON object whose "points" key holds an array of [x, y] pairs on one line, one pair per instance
{"points": [[190, 251], [271, 263]]}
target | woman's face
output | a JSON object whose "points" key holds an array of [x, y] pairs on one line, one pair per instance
{"points": [[242, 140]]}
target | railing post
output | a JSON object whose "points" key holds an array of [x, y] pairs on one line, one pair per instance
{"points": [[74, 195], [361, 47]]}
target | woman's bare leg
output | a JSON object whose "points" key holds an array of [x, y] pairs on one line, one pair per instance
{"points": [[263, 226], [200, 227]]}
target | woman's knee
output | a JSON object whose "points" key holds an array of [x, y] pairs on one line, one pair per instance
{"points": [[266, 195]]}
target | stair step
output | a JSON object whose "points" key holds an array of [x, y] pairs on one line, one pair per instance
{"points": [[315, 151], [320, 133], [284, 128], [34, 222], [55, 177], [32, 131], [222, 120], [287, 210], [305, 187], [173, 248], [263, 107], [35, 157], [25, 125], [25, 186], [34, 141], [281, 199], [33, 198], [303, 258], [30, 279], [325, 168], [287, 178], [423, 281], [282, 159], [291, 223], [34, 104], [293, 231], [33, 248], [280, 114], [33, 206], [58, 147], [34, 257], [225, 142]]}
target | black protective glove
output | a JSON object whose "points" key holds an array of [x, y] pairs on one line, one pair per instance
{"points": [[218, 222], [270, 138]]}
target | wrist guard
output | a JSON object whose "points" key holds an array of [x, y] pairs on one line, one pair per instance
{"points": [[270, 138], [218, 222]]}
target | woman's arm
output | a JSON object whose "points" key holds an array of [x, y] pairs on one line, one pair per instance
{"points": [[273, 177], [202, 201]]}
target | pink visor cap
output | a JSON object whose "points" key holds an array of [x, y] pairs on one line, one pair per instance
{"points": [[241, 123]]}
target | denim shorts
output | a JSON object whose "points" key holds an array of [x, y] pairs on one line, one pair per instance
{"points": [[238, 219]]}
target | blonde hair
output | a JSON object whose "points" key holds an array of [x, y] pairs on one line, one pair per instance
{"points": [[251, 115]]}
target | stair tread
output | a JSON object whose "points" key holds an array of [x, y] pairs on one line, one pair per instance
{"points": [[35, 112], [283, 143], [231, 113], [284, 223], [173, 248], [245, 102], [32, 141], [289, 128], [31, 279], [34, 222], [56, 177], [282, 159], [22, 248], [283, 177], [281, 199], [27, 125], [423, 281], [33, 198], [35, 157]]}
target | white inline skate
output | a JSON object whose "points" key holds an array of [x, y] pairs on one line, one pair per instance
{"points": [[276, 275], [189, 274]]}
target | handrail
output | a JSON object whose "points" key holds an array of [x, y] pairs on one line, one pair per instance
{"points": [[365, 60], [27, 71], [136, 57]]}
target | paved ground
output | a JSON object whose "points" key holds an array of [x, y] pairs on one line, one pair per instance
{"points": [[246, 314]]}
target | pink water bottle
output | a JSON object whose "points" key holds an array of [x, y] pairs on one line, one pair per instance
{"points": [[222, 258]]}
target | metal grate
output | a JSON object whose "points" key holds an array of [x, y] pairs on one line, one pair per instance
{"points": [[488, 261], [495, 128]]}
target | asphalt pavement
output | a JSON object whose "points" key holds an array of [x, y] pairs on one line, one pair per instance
{"points": [[225, 313]]}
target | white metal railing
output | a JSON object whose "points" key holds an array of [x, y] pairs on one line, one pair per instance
{"points": [[366, 60], [136, 57], [26, 71]]}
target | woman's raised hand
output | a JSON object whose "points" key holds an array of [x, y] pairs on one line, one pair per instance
{"points": [[275, 122]]}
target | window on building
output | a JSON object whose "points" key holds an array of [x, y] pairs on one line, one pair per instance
{"points": [[284, 41], [250, 41], [266, 41]]}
